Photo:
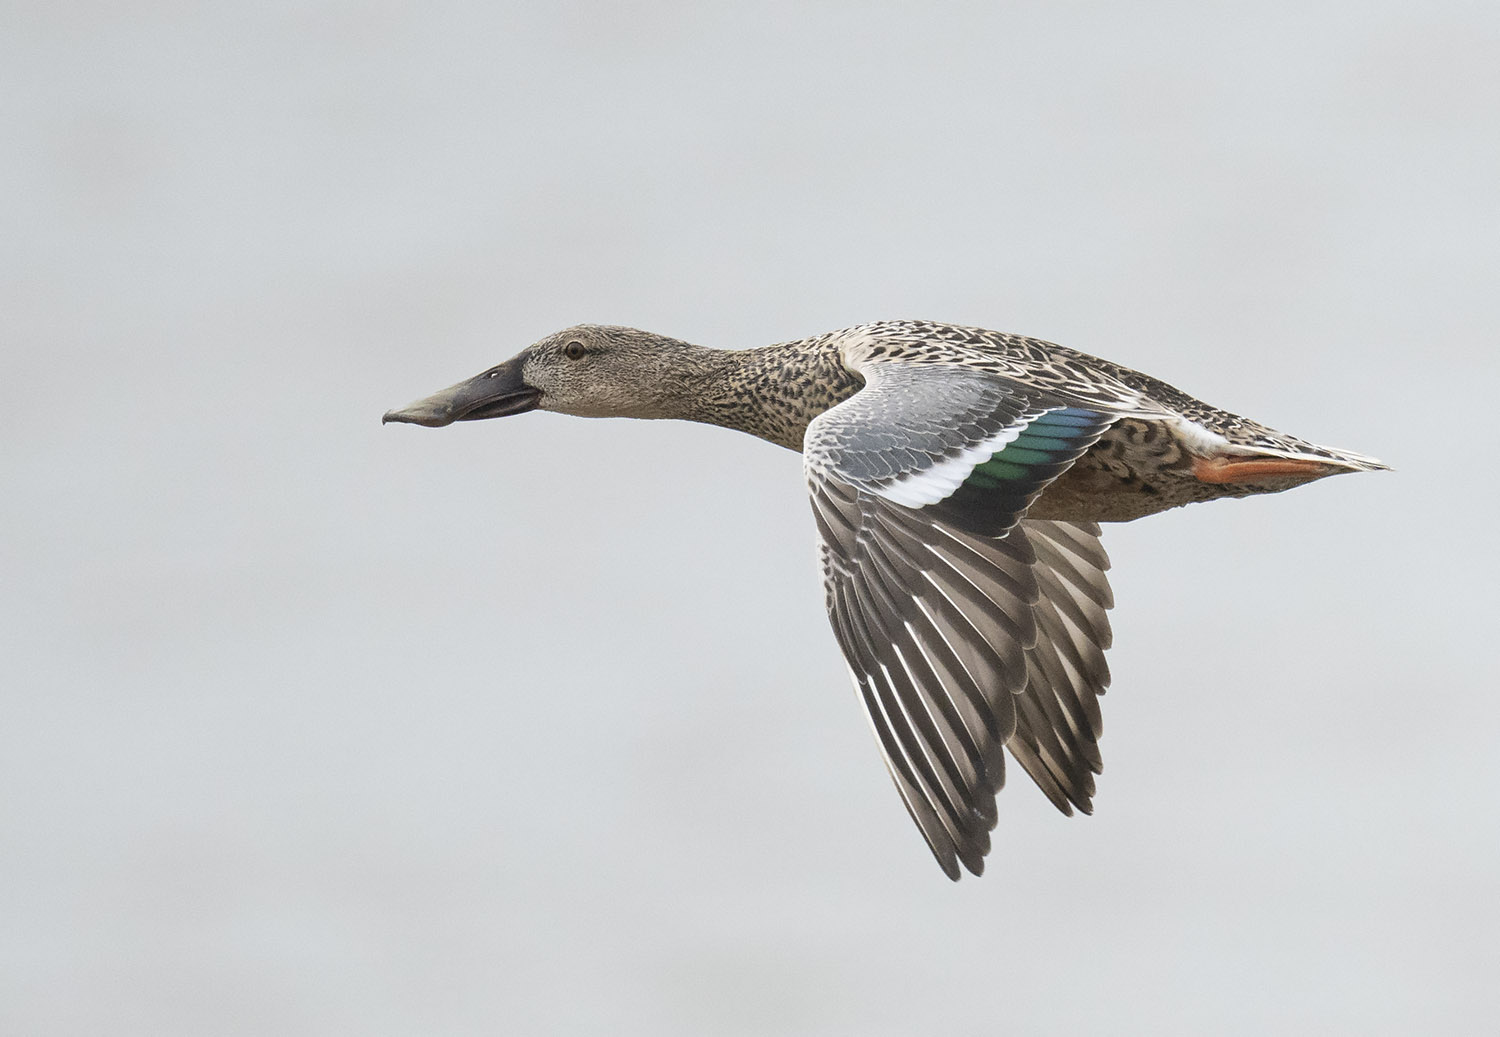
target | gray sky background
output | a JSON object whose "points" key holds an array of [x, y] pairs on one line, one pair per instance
{"points": [[313, 726]]}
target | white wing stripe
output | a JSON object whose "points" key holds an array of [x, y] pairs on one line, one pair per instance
{"points": [[919, 488]]}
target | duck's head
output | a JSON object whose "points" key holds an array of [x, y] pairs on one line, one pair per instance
{"points": [[591, 370]]}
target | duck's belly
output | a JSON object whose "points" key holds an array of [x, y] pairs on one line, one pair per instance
{"points": [[1137, 468]]}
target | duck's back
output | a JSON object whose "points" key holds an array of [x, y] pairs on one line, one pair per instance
{"points": [[1150, 460]]}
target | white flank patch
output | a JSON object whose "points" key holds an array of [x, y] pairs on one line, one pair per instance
{"points": [[930, 485], [1202, 441]]}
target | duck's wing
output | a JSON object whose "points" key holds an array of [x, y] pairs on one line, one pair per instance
{"points": [[939, 595], [1058, 723]]}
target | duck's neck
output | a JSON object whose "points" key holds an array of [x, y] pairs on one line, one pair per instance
{"points": [[771, 392]]}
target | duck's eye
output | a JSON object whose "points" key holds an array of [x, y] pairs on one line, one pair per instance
{"points": [[574, 350]]}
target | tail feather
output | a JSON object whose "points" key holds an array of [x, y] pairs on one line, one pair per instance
{"points": [[1346, 459]]}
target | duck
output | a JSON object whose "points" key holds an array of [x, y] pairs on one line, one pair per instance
{"points": [[958, 478]]}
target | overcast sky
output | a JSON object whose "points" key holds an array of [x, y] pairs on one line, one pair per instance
{"points": [[312, 726]]}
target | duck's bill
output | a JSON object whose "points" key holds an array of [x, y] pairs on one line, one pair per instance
{"points": [[496, 393]]}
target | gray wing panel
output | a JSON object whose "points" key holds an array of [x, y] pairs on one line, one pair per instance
{"points": [[969, 448]]}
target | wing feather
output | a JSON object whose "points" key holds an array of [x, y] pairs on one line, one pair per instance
{"points": [[1057, 741], [966, 628]]}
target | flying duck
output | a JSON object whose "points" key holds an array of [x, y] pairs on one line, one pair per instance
{"points": [[957, 477]]}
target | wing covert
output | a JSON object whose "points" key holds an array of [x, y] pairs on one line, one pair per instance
{"points": [[969, 448]]}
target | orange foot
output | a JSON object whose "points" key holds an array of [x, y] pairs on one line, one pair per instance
{"points": [[1223, 470]]}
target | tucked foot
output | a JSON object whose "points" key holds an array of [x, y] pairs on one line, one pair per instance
{"points": [[1226, 470]]}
